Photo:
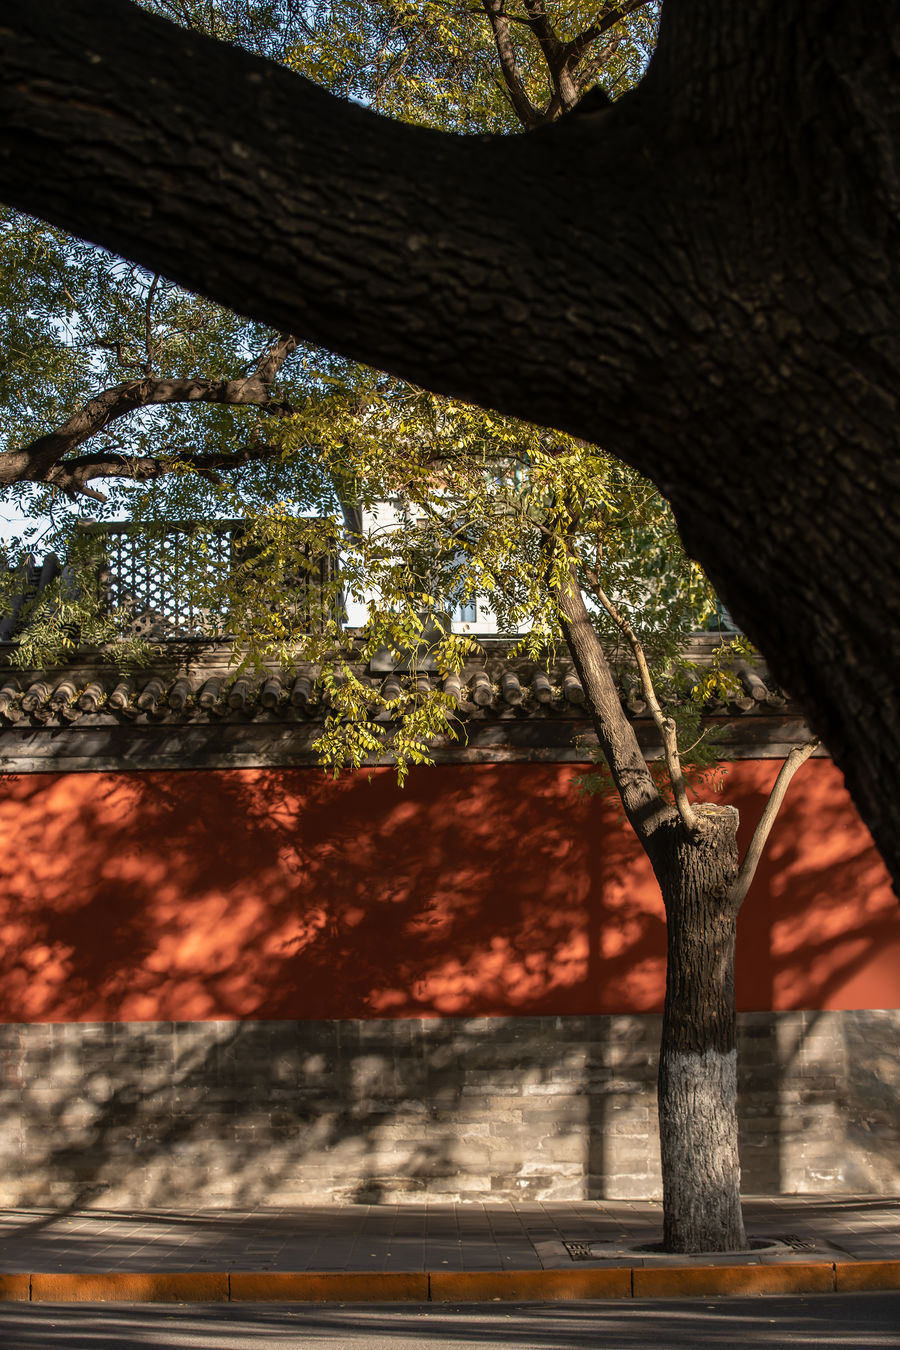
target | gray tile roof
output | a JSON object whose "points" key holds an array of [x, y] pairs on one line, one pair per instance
{"points": [[185, 686]]}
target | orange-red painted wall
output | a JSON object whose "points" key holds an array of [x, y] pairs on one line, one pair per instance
{"points": [[476, 890]]}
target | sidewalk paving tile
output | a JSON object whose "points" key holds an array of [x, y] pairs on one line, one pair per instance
{"points": [[475, 1236]]}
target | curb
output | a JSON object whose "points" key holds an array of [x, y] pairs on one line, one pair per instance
{"points": [[474, 1286]]}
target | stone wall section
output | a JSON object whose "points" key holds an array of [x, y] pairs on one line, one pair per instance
{"points": [[240, 1113]]}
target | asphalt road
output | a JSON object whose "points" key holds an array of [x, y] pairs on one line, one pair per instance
{"points": [[863, 1320]]}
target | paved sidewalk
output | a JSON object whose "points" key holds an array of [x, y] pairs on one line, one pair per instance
{"points": [[414, 1251], [414, 1237]]}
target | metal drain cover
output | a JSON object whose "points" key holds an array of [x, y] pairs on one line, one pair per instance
{"points": [[800, 1244], [585, 1251]]}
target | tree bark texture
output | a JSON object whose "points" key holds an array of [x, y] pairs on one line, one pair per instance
{"points": [[697, 1090], [703, 278]]}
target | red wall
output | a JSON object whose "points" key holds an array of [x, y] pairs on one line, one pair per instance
{"points": [[476, 890]]}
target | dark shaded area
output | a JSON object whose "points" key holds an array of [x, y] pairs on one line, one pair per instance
{"points": [[237, 1113], [865, 1320]]}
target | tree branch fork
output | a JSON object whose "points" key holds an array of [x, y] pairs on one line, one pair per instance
{"points": [[617, 732]]}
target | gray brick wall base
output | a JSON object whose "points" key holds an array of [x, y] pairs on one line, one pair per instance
{"points": [[543, 1108]]}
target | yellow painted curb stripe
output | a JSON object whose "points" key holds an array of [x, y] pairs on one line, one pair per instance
{"points": [[446, 1286], [125, 1286], [867, 1275], [683, 1281], [277, 1286], [15, 1288], [480, 1286]]}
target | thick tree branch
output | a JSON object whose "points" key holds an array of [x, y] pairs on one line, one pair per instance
{"points": [[561, 73], [44, 459], [370, 227], [528, 114], [561, 59], [704, 279], [540, 25], [567, 81], [577, 46], [273, 359], [73, 475], [797, 756]]}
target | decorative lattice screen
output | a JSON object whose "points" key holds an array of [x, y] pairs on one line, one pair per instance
{"points": [[173, 580]]}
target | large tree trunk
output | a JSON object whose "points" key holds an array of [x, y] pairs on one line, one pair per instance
{"points": [[698, 1124], [704, 279]]}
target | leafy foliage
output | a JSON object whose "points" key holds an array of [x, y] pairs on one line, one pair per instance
{"points": [[434, 62], [479, 505]]}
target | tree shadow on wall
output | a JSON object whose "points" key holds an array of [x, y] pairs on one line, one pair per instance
{"points": [[238, 1114], [282, 894], [818, 931], [399, 963], [214, 926]]}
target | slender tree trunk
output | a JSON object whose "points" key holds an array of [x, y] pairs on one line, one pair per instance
{"points": [[698, 1055]]}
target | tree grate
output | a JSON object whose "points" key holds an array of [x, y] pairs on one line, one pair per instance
{"points": [[579, 1251], [800, 1244], [588, 1251]]}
